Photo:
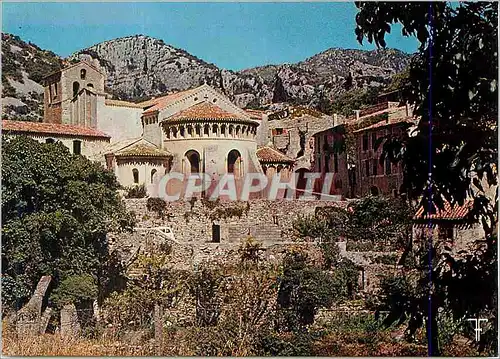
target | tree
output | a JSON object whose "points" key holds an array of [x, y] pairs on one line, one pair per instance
{"points": [[56, 211], [303, 290], [452, 155]]}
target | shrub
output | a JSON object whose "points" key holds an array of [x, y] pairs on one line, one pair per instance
{"points": [[75, 289], [310, 226], [250, 250], [158, 205], [353, 246], [303, 289], [137, 191], [389, 259]]}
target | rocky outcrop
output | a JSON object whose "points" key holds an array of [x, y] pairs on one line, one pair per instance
{"points": [[140, 67]]}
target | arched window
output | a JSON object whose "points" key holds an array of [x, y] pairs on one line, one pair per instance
{"points": [[135, 172], [50, 140], [223, 130], [77, 147], [206, 130], [215, 129], [233, 160], [90, 85], [76, 88], [153, 172], [193, 158], [83, 74], [182, 132]]}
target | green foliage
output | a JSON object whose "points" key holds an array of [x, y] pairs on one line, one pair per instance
{"points": [[289, 344], [249, 250], [205, 286], [75, 289], [355, 246], [158, 205], [56, 211], [347, 102], [136, 191], [345, 279], [389, 259], [157, 283], [310, 226], [380, 220], [235, 210], [457, 102], [303, 289]]}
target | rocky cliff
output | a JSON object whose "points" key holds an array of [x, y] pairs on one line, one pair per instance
{"points": [[139, 67], [23, 67]]}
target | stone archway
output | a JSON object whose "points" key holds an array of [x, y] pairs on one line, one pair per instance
{"points": [[234, 162], [193, 160]]}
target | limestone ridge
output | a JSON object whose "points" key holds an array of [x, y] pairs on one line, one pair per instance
{"points": [[139, 67]]}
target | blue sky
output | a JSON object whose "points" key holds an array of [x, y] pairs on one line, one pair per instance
{"points": [[231, 35]]}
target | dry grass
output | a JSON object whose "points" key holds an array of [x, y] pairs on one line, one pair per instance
{"points": [[55, 345]]}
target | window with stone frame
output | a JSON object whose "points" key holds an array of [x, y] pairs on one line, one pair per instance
{"points": [[77, 147], [135, 173], [365, 142], [375, 167], [367, 168]]}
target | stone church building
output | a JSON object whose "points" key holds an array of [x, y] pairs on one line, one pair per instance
{"points": [[194, 131]]}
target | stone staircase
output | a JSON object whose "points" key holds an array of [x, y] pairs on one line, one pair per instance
{"points": [[267, 233]]}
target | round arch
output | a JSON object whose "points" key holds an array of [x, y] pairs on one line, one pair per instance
{"points": [[234, 162], [193, 158]]}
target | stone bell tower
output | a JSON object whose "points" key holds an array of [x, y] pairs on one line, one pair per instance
{"points": [[70, 95]]}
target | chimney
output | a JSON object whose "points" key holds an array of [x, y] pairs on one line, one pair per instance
{"points": [[357, 114]]}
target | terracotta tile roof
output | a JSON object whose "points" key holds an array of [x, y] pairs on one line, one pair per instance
{"points": [[142, 150], [448, 213], [203, 110], [136, 147], [120, 103], [384, 123], [50, 129], [267, 154], [255, 114], [162, 102]]}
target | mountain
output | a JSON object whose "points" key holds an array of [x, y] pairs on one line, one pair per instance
{"points": [[139, 67], [23, 67]]}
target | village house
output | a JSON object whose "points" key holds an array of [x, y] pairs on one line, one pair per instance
{"points": [[351, 150]]}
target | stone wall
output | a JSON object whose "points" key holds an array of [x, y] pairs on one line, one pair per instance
{"points": [[192, 222]]}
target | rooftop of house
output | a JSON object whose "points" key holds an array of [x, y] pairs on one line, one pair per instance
{"points": [[54, 129], [268, 154], [120, 103], [255, 114], [449, 212], [204, 110], [137, 147], [159, 103]]}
